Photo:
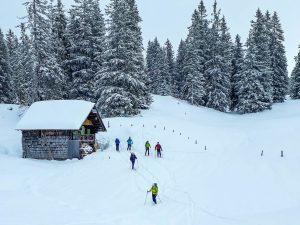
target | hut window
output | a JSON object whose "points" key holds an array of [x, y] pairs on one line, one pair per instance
{"points": [[76, 135]]}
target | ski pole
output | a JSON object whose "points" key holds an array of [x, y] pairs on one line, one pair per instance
{"points": [[159, 198], [146, 198]]}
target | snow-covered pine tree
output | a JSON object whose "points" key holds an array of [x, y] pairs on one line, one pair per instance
{"points": [[260, 39], [237, 65], [86, 32], [251, 93], [6, 94], [26, 68], [157, 69], [60, 40], [121, 88], [179, 73], [47, 78], [227, 51], [170, 66], [149, 62], [278, 60], [295, 79], [150, 65], [98, 36], [218, 67], [196, 54], [81, 51], [12, 43], [137, 62]]}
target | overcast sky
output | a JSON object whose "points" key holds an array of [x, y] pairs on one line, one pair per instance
{"points": [[170, 18]]}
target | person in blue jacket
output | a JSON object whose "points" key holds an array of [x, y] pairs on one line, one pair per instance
{"points": [[129, 144], [117, 141]]}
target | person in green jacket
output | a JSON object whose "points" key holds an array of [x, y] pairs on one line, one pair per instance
{"points": [[154, 190], [147, 147]]}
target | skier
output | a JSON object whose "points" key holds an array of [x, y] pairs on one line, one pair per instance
{"points": [[158, 149], [132, 159], [154, 190], [147, 147], [129, 142], [117, 141]]}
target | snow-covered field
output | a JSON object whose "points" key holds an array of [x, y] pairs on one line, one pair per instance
{"points": [[229, 183]]}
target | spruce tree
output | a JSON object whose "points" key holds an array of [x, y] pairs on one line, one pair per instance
{"points": [[157, 69], [295, 79], [86, 32], [121, 87], [6, 95], [179, 69], [278, 61], [170, 66], [61, 42], [47, 81], [26, 67], [251, 93], [194, 87], [81, 51], [14, 62], [98, 36], [237, 66], [260, 39], [217, 67], [59, 32]]}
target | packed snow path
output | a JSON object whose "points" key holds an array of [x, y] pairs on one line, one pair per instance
{"points": [[229, 183]]}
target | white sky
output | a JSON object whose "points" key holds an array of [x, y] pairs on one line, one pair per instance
{"points": [[170, 18]]}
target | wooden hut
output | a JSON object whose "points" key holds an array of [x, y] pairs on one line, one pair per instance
{"points": [[60, 129]]}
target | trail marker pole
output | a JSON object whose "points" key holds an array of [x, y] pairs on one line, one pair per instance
{"points": [[205, 148], [282, 154], [262, 153]]}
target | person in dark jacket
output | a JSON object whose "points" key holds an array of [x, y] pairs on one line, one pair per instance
{"points": [[158, 149], [117, 141], [132, 159]]}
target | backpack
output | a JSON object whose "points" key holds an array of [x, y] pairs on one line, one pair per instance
{"points": [[132, 157]]}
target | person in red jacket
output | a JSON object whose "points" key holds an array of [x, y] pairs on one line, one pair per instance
{"points": [[158, 149]]}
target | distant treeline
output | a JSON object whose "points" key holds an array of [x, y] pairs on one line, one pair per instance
{"points": [[80, 55]]}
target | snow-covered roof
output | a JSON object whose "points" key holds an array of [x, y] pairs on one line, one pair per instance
{"points": [[55, 115]]}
